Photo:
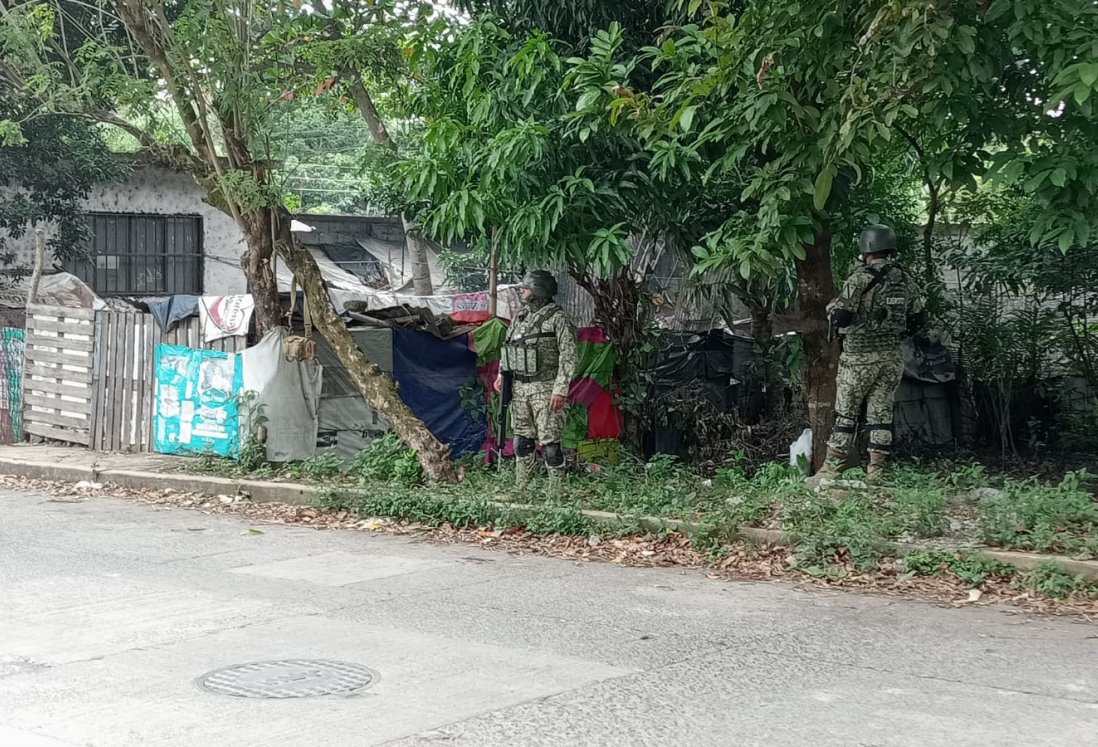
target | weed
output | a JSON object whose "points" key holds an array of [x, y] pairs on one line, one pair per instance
{"points": [[1053, 580], [826, 530], [321, 468], [386, 459], [971, 568], [1047, 518]]}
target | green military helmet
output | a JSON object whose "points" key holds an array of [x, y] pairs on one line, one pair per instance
{"points": [[541, 283], [877, 239]]}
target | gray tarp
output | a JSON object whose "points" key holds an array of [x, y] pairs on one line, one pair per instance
{"points": [[288, 395]]}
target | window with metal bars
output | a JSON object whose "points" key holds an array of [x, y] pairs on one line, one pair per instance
{"points": [[142, 254]]}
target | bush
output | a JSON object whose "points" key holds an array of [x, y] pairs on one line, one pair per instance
{"points": [[1046, 518], [386, 459]]}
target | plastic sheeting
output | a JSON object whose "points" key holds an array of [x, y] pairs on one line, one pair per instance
{"points": [[346, 423], [287, 394], [437, 379], [196, 401]]}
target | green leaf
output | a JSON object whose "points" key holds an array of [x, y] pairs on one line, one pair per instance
{"points": [[1067, 238], [1081, 94], [997, 10], [822, 189], [1088, 74], [686, 119], [1058, 177]]}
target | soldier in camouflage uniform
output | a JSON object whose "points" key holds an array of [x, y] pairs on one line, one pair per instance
{"points": [[879, 305], [540, 353]]}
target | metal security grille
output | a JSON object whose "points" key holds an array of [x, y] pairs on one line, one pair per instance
{"points": [[136, 254]]}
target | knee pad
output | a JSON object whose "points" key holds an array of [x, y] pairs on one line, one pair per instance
{"points": [[554, 454], [524, 446], [844, 423]]}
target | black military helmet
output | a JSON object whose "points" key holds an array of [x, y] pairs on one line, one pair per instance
{"points": [[877, 239], [542, 284]]}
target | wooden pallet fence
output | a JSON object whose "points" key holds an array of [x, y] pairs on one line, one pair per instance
{"points": [[58, 371], [125, 380]]}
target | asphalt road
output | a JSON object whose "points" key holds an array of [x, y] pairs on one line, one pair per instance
{"points": [[111, 612]]}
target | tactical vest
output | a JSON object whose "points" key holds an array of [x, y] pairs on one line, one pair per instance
{"points": [[880, 323], [530, 351]]}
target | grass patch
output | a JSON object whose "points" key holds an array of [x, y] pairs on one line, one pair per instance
{"points": [[1030, 515]]}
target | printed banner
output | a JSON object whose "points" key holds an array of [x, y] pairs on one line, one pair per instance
{"points": [[197, 401], [225, 316]]}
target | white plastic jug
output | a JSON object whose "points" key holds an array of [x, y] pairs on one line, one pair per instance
{"points": [[800, 451]]}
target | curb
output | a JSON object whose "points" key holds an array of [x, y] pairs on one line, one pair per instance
{"points": [[260, 491], [297, 494]]}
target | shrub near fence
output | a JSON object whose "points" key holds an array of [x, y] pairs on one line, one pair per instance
{"points": [[89, 378]]}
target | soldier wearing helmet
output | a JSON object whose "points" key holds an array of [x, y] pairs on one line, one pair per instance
{"points": [[878, 306], [540, 355]]}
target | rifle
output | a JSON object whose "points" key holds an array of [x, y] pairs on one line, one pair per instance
{"points": [[506, 391]]}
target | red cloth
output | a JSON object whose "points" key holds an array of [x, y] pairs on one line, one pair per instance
{"points": [[584, 391], [591, 334], [603, 419]]}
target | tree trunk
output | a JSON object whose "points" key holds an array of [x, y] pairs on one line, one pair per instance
{"points": [[257, 227], [815, 289], [376, 388], [764, 391]]}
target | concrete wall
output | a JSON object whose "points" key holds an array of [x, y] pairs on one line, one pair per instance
{"points": [[154, 190]]}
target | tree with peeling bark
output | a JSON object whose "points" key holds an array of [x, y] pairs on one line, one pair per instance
{"points": [[220, 64]]}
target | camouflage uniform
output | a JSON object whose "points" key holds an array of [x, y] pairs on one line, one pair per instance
{"points": [[882, 299], [540, 352]]}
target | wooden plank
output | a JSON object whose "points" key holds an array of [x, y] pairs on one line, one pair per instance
{"points": [[55, 372], [148, 382], [57, 434], [75, 344], [37, 355], [59, 420], [128, 381], [62, 312], [96, 429], [113, 383], [55, 387], [55, 403], [60, 324], [71, 326], [73, 417]]}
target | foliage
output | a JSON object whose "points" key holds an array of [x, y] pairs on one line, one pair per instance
{"points": [[49, 164], [253, 450], [971, 568], [386, 459], [1052, 579], [1028, 515]]}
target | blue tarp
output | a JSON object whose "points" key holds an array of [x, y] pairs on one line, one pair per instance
{"points": [[437, 379], [196, 401]]}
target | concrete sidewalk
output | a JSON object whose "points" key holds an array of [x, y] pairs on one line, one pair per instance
{"points": [[163, 471], [137, 471]]}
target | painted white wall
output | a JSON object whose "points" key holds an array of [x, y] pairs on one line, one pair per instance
{"points": [[159, 191]]}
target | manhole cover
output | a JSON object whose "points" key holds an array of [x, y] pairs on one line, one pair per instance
{"points": [[290, 678]]}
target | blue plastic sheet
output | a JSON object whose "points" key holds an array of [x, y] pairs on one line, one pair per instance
{"points": [[197, 401], [437, 379]]}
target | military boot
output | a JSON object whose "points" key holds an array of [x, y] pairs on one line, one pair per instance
{"points": [[556, 481], [877, 461], [524, 469], [831, 469]]}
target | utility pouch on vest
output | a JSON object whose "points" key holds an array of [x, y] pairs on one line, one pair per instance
{"points": [[520, 357]]}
